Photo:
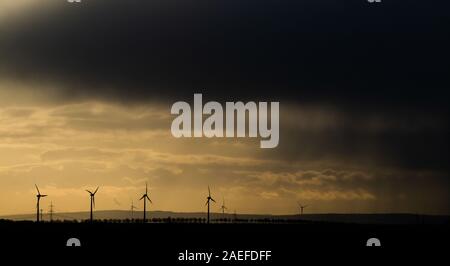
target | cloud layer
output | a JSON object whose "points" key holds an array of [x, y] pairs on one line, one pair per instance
{"points": [[85, 96], [69, 148]]}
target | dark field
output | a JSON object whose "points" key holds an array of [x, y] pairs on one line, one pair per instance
{"points": [[288, 242]]}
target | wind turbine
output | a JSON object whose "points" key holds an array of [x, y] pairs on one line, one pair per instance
{"points": [[301, 208], [145, 198], [39, 196], [132, 209], [208, 199], [223, 207], [92, 194]]}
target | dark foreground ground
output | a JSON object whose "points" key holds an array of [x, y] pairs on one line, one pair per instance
{"points": [[288, 243]]}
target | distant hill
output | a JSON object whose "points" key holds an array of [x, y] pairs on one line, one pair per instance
{"points": [[394, 218]]}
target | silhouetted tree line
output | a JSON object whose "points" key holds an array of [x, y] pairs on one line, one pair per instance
{"points": [[179, 220]]}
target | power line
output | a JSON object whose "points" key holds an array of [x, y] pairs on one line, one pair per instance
{"points": [[51, 211]]}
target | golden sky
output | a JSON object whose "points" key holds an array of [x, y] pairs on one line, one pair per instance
{"points": [[86, 93], [68, 146]]}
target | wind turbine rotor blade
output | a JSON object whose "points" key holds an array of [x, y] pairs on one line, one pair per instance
{"points": [[142, 197], [213, 200], [96, 190], [89, 191], [149, 199], [207, 201], [39, 193], [209, 192], [44, 195]]}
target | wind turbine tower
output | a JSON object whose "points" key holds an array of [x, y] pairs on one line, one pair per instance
{"points": [[145, 197], [132, 209], [38, 196], [92, 194], [301, 208], [208, 200]]}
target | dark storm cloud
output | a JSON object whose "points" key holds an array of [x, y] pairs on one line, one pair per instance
{"points": [[391, 59], [410, 139], [345, 53]]}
